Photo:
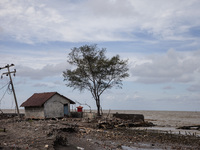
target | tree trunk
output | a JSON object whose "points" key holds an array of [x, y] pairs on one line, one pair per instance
{"points": [[98, 110], [98, 106]]}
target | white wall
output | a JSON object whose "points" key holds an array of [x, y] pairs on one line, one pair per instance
{"points": [[34, 112], [54, 107]]}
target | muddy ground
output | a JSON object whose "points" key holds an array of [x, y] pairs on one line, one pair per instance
{"points": [[71, 134]]}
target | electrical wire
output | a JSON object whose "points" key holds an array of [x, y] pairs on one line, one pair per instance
{"points": [[9, 91], [3, 95], [4, 86], [12, 104]]}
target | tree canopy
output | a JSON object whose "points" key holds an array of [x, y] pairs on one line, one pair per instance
{"points": [[94, 71]]}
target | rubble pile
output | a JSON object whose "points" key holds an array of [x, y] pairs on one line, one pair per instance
{"points": [[115, 133], [119, 123], [76, 133]]}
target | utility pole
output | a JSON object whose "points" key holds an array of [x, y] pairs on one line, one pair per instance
{"points": [[9, 74]]}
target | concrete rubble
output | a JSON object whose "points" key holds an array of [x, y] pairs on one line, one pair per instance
{"points": [[119, 123], [87, 134]]}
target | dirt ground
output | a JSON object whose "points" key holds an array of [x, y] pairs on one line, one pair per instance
{"points": [[73, 134]]}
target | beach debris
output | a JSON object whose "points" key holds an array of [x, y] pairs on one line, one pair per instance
{"points": [[2, 129], [195, 127], [103, 133], [80, 148], [61, 140], [133, 117], [120, 123], [68, 129]]}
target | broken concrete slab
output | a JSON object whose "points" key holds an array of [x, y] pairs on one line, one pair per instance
{"points": [[133, 117]]}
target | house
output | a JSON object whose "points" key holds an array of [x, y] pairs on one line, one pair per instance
{"points": [[47, 105]]}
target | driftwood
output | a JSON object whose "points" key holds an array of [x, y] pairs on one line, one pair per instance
{"points": [[195, 127]]}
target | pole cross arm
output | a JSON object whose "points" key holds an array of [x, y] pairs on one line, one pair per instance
{"points": [[7, 73], [7, 66], [2, 68]]}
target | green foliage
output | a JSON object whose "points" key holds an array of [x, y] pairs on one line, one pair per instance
{"points": [[93, 71]]}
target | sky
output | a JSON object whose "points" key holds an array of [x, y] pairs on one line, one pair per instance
{"points": [[160, 39]]}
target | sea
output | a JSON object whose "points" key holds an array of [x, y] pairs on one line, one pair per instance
{"points": [[165, 121]]}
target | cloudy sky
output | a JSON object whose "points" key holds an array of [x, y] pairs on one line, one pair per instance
{"points": [[160, 38]]}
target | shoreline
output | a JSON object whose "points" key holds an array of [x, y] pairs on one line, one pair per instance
{"points": [[160, 118], [114, 110], [71, 133], [86, 134], [165, 121]]}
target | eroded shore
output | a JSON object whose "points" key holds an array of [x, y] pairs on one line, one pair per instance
{"points": [[69, 133]]}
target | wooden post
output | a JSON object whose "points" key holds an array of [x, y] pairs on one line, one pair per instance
{"points": [[8, 73]]}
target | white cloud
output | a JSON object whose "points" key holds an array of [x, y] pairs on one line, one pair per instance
{"points": [[173, 66], [194, 88], [34, 59], [48, 70], [119, 20], [147, 24], [48, 84], [30, 21]]}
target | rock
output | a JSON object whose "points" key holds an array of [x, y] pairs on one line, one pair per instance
{"points": [[89, 140], [80, 148], [82, 130]]}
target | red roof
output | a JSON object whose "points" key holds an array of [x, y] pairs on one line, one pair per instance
{"points": [[38, 99]]}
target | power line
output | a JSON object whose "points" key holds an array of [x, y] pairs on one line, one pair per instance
{"points": [[4, 86], [9, 91], [3, 95]]}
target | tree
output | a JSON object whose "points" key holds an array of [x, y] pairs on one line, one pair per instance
{"points": [[94, 72]]}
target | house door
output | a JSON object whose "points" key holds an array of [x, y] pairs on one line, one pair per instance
{"points": [[66, 111]]}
